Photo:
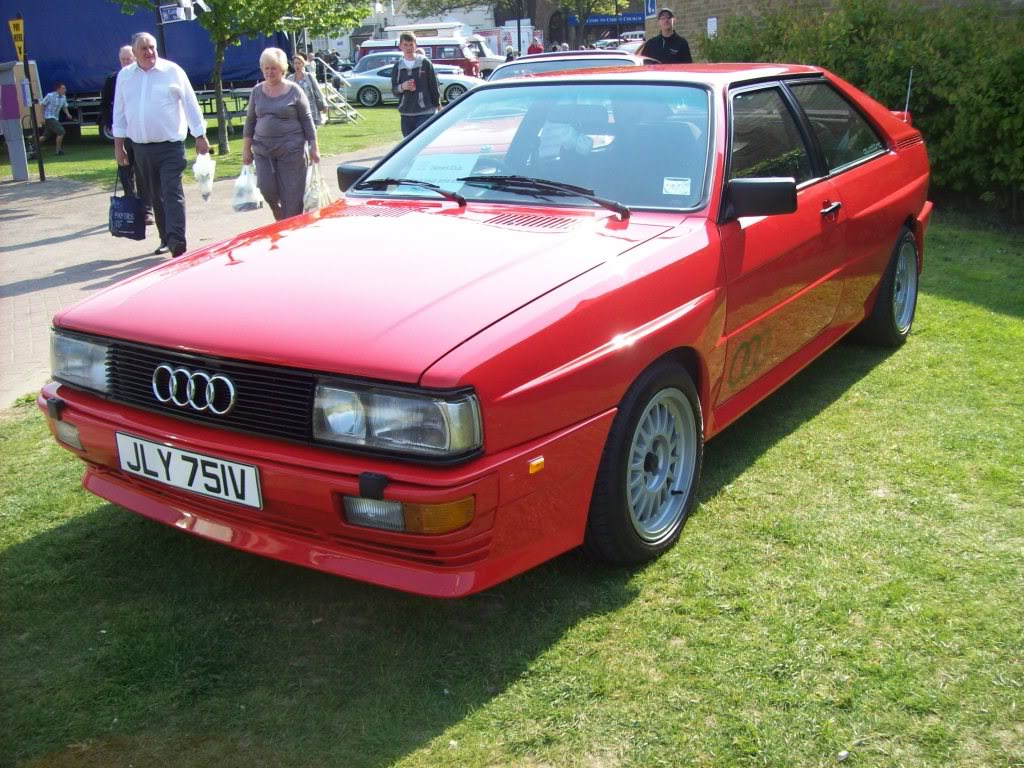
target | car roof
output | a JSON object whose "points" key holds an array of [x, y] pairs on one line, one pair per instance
{"points": [[573, 62], [586, 52], [389, 43], [716, 76]]}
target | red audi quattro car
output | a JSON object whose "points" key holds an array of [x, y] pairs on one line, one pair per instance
{"points": [[513, 336]]}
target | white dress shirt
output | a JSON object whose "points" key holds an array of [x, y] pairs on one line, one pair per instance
{"points": [[156, 105]]}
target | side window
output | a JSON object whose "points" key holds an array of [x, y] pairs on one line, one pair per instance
{"points": [[845, 136], [448, 52], [765, 138]]}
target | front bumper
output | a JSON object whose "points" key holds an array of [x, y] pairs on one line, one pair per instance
{"points": [[521, 519]]}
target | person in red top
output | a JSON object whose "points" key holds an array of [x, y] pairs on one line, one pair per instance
{"points": [[535, 47]]}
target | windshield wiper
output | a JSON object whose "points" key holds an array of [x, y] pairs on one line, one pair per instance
{"points": [[545, 185], [447, 194]]}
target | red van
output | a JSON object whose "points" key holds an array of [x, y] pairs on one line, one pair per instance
{"points": [[440, 50]]}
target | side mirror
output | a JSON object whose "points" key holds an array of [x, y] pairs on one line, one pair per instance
{"points": [[349, 175], [759, 197]]}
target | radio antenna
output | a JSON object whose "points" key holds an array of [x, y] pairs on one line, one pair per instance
{"points": [[910, 83]]}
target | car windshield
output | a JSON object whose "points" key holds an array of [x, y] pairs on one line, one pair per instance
{"points": [[641, 145], [526, 67]]}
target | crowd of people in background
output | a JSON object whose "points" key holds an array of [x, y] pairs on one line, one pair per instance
{"points": [[149, 107]]}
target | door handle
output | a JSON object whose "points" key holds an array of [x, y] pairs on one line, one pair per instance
{"points": [[828, 210]]}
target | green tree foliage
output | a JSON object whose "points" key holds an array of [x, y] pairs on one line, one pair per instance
{"points": [[968, 94], [230, 20]]}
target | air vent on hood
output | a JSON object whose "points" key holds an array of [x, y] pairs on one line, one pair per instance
{"points": [[525, 221], [376, 211]]}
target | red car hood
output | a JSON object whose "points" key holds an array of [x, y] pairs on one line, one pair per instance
{"points": [[366, 290]]}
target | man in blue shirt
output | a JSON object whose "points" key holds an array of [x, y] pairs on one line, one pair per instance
{"points": [[53, 103]]}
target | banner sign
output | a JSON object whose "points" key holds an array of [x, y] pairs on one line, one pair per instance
{"points": [[171, 13], [18, 34], [607, 18]]}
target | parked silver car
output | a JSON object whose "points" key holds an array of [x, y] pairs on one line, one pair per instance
{"points": [[372, 88]]}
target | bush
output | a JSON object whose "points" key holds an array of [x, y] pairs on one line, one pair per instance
{"points": [[968, 95]]}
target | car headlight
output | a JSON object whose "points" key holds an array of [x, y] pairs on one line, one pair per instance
{"points": [[399, 422], [78, 361]]}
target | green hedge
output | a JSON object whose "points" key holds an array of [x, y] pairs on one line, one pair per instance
{"points": [[968, 95]]}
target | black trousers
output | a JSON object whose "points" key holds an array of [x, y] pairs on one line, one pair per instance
{"points": [[160, 166], [411, 122], [129, 174]]}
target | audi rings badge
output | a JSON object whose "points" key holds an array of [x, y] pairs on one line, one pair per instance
{"points": [[198, 390]]}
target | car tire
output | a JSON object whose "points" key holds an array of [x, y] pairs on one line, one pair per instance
{"points": [[107, 133], [647, 480], [369, 96], [892, 315], [452, 92]]}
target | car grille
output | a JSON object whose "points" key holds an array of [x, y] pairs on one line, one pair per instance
{"points": [[271, 401]]}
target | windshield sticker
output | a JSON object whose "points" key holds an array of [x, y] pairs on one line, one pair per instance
{"points": [[671, 186], [442, 169]]}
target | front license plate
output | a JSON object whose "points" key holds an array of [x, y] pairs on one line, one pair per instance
{"points": [[205, 475]]}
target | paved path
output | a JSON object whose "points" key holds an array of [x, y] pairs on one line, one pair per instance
{"points": [[55, 250]]}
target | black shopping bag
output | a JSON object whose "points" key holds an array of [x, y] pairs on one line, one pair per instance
{"points": [[127, 216]]}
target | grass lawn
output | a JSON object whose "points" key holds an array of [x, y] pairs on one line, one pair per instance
{"points": [[91, 159], [849, 590]]}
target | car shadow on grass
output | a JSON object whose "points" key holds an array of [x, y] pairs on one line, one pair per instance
{"points": [[798, 401], [165, 649]]}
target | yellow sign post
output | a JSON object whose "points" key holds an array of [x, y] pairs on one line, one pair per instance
{"points": [[18, 34]]}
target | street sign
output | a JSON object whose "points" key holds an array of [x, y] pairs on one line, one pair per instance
{"points": [[171, 13], [650, 8], [18, 34]]}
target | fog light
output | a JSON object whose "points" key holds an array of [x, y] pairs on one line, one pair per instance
{"points": [[68, 433], [374, 514], [410, 518]]}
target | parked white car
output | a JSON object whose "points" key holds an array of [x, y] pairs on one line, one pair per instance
{"points": [[373, 88]]}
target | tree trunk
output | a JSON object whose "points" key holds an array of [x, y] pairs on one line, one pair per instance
{"points": [[218, 89]]}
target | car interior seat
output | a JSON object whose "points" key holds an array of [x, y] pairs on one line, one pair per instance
{"points": [[667, 165]]}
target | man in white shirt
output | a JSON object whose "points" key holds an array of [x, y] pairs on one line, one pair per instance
{"points": [[155, 107]]}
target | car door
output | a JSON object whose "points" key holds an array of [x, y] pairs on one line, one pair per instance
{"points": [[862, 169], [782, 272]]}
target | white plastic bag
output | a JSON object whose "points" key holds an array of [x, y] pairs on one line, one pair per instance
{"points": [[246, 196], [204, 168], [317, 195]]}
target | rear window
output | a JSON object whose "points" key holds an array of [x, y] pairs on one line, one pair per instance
{"points": [[844, 135], [447, 52]]}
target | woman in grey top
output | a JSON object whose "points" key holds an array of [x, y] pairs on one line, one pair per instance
{"points": [[310, 87], [278, 125]]}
